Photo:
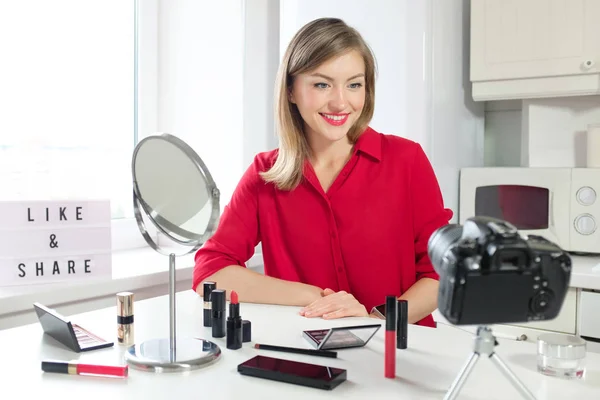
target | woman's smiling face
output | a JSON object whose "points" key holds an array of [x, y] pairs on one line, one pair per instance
{"points": [[331, 97]]}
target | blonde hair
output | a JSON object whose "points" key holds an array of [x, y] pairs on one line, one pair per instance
{"points": [[315, 43]]}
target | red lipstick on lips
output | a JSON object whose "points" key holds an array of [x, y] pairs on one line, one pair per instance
{"points": [[335, 122], [390, 336]]}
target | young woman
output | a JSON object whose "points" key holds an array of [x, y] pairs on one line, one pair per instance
{"points": [[343, 213]]}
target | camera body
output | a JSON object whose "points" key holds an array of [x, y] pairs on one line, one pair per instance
{"points": [[490, 274]]}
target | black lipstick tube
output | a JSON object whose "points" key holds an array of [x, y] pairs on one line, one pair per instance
{"points": [[217, 298], [208, 288], [234, 327], [402, 327]]}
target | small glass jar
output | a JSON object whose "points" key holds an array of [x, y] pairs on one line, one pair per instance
{"points": [[561, 355]]}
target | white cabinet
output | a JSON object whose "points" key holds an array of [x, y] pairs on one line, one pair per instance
{"points": [[534, 48], [589, 309]]}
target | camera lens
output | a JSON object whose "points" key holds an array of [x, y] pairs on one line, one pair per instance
{"points": [[440, 241]]}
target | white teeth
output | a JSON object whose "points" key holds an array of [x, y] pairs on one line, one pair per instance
{"points": [[334, 117]]}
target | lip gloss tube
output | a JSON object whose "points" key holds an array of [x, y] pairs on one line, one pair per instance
{"points": [[217, 298], [125, 331], [402, 328], [61, 367], [390, 336], [208, 288]]}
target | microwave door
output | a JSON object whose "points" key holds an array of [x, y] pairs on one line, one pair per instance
{"points": [[529, 208], [535, 200], [558, 223], [551, 232]]}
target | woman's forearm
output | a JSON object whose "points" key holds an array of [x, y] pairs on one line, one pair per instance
{"points": [[422, 299], [253, 287]]}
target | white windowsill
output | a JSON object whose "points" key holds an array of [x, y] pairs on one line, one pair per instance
{"points": [[134, 270]]}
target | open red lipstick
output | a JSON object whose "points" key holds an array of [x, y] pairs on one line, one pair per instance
{"points": [[234, 324], [390, 336]]}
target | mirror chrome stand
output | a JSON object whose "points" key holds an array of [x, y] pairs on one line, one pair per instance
{"points": [[172, 326], [171, 354]]}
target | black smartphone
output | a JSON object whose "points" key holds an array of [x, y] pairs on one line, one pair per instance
{"points": [[298, 373]]}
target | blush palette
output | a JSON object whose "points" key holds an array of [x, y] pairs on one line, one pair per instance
{"points": [[71, 335], [86, 339], [341, 337]]}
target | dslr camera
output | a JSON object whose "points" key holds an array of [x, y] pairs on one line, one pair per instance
{"points": [[491, 274]]}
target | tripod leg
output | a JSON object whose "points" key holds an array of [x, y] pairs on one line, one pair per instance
{"points": [[461, 378], [512, 377]]}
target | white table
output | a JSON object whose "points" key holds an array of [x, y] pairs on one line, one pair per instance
{"points": [[424, 371]]}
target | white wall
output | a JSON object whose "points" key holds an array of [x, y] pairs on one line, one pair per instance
{"points": [[457, 131], [503, 133], [554, 131], [261, 59], [539, 133], [200, 75]]}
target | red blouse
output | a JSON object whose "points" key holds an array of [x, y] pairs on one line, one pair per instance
{"points": [[366, 235]]}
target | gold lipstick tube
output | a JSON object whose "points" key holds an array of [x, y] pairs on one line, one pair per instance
{"points": [[125, 331]]}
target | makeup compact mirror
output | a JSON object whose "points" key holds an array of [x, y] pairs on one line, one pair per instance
{"points": [[174, 191]]}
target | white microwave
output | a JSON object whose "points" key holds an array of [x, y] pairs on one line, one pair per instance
{"points": [[560, 204]]}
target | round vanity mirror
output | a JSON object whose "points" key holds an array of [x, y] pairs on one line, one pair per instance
{"points": [[174, 191]]}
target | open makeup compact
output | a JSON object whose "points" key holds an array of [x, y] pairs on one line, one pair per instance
{"points": [[342, 337], [71, 335]]}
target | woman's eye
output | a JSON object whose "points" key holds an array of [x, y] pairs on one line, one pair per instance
{"points": [[355, 85], [321, 85]]}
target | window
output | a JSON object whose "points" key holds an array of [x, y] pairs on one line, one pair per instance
{"points": [[70, 114], [68, 106]]}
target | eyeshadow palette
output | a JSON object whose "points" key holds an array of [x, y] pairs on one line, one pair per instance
{"points": [[341, 337], [71, 335]]}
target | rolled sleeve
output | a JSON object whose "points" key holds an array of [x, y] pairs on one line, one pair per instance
{"points": [[237, 233], [429, 212]]}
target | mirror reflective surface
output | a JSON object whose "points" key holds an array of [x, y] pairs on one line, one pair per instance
{"points": [[175, 189]]}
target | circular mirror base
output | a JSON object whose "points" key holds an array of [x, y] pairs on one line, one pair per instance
{"points": [[156, 356]]}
